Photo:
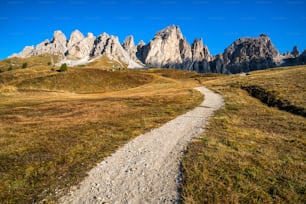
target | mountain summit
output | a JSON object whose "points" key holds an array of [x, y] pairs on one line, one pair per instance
{"points": [[169, 49]]}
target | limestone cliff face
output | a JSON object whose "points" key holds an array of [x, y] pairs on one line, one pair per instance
{"points": [[110, 46], [79, 47], [57, 46], [169, 49], [247, 54], [129, 46], [75, 37], [200, 56]]}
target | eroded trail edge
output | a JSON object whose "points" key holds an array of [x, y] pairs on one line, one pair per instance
{"points": [[146, 169]]}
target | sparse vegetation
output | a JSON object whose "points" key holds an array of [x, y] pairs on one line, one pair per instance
{"points": [[24, 65], [63, 68], [107, 64], [53, 130], [97, 81], [18, 63], [49, 141], [250, 153]]}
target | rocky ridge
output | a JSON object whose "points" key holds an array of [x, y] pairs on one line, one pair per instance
{"points": [[81, 49], [168, 49]]}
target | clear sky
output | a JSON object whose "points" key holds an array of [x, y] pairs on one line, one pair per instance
{"points": [[218, 22]]}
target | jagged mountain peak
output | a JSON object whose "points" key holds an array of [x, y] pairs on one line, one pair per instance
{"points": [[128, 42], [141, 43], [197, 41], [168, 48], [59, 36], [75, 37], [168, 31], [90, 35]]}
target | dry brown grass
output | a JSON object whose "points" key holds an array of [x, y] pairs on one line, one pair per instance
{"points": [[286, 84], [50, 139], [106, 64], [35, 61], [250, 153]]}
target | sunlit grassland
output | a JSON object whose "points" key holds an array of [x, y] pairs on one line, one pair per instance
{"points": [[52, 133], [251, 153]]}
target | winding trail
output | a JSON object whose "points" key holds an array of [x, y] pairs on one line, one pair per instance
{"points": [[146, 170]]}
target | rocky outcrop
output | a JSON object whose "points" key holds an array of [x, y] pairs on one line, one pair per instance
{"points": [[75, 37], [295, 52], [170, 49], [167, 49], [200, 56], [109, 46], [217, 65], [26, 52], [248, 54], [186, 55], [140, 51], [129, 46], [81, 47], [57, 46]]}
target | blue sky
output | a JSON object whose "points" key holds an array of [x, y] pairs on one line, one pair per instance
{"points": [[218, 22]]}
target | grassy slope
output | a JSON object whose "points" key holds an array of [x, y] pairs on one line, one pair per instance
{"points": [[251, 153], [106, 64], [88, 81], [49, 139], [16, 63], [286, 85]]}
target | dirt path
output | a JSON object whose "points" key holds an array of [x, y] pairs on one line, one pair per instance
{"points": [[146, 169]]}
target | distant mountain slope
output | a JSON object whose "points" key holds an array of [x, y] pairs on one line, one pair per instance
{"points": [[169, 49]]}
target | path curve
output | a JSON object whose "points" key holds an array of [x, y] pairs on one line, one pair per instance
{"points": [[146, 169]]}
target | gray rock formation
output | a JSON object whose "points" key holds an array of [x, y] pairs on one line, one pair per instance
{"points": [[75, 37], [57, 46], [295, 52], [186, 55], [139, 51], [247, 54], [81, 48], [109, 46], [200, 56], [167, 49], [129, 46], [217, 65], [26, 52]]}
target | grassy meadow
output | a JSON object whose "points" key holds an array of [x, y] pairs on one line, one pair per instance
{"points": [[250, 152], [55, 126]]}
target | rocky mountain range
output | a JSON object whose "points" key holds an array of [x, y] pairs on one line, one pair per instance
{"points": [[168, 49]]}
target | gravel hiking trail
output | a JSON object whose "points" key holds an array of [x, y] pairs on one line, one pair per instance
{"points": [[146, 169]]}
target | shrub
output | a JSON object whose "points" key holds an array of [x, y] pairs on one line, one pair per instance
{"points": [[24, 65], [49, 63], [63, 68]]}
